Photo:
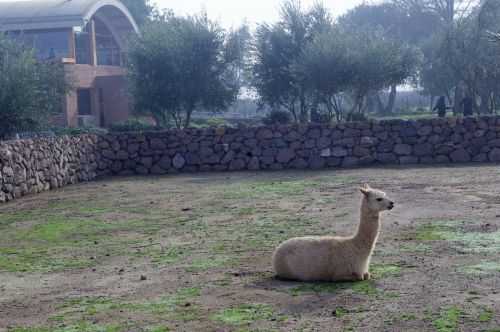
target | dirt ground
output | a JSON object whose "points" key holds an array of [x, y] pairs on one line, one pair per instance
{"points": [[193, 253]]}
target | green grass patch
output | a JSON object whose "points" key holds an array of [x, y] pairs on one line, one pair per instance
{"points": [[366, 287], [432, 233], [485, 315], [341, 312], [417, 248], [58, 243], [208, 263], [380, 271], [79, 327], [158, 329], [9, 218], [484, 267], [246, 314], [452, 231], [407, 317], [278, 188], [448, 319], [164, 256], [178, 306], [41, 260], [266, 189]]}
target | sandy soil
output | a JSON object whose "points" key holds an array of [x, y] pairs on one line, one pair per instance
{"points": [[193, 253]]}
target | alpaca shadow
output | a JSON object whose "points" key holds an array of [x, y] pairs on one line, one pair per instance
{"points": [[309, 297]]}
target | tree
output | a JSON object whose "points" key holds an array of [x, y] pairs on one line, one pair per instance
{"points": [[141, 10], [396, 23], [179, 65], [465, 62], [237, 53], [352, 64], [326, 70], [277, 48], [380, 63], [30, 91], [448, 10]]}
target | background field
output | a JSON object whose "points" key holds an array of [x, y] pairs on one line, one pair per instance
{"points": [[193, 253]]}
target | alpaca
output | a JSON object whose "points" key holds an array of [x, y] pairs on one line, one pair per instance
{"points": [[332, 258]]}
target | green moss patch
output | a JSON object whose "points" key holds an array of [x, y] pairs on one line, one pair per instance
{"points": [[366, 287], [485, 315], [453, 231], [448, 319], [484, 267], [246, 314]]}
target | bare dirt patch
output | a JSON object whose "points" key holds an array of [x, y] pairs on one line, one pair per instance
{"points": [[193, 253]]}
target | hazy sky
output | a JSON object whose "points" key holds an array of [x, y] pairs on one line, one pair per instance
{"points": [[233, 12]]}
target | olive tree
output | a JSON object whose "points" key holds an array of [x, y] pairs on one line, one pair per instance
{"points": [[277, 47], [179, 65], [30, 91], [343, 64], [141, 10]]}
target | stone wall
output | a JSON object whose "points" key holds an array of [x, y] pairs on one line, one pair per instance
{"points": [[431, 141], [32, 166]]}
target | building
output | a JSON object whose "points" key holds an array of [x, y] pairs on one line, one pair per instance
{"points": [[90, 38]]}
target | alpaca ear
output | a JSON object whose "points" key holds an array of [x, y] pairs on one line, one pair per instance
{"points": [[365, 191]]}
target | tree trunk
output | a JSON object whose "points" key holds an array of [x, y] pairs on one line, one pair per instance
{"points": [[392, 99], [304, 116], [484, 108], [389, 108], [459, 95], [187, 121]]}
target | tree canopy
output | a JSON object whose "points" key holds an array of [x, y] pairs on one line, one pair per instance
{"points": [[309, 64], [141, 10], [182, 64], [30, 91]]}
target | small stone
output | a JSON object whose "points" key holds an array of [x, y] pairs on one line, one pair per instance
{"points": [[326, 153], [403, 149], [285, 155], [178, 161]]}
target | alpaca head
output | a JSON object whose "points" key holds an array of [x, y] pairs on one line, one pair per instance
{"points": [[376, 200]]}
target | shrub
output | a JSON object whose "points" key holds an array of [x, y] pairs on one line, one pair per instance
{"points": [[277, 117], [356, 117], [132, 125], [60, 131]]}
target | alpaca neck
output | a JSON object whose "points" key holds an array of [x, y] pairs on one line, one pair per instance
{"points": [[368, 229]]}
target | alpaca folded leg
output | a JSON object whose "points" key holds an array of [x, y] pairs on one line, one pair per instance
{"points": [[357, 276], [367, 276]]}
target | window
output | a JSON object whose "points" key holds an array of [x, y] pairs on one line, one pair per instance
{"points": [[107, 49], [82, 48], [50, 44], [84, 102]]}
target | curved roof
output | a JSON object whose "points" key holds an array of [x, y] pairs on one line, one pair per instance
{"points": [[50, 14]]}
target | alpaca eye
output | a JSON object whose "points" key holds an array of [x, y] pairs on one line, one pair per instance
{"points": [[379, 199]]}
